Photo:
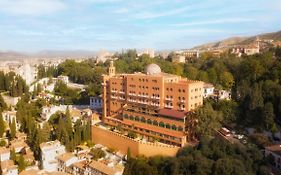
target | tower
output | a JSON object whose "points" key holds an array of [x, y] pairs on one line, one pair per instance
{"points": [[111, 69]]}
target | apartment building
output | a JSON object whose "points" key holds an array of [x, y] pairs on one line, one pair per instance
{"points": [[49, 153], [153, 104]]}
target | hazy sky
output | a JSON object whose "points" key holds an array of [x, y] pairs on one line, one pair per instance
{"points": [[33, 25]]}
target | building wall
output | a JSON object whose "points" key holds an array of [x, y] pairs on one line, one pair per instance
{"points": [[122, 143], [5, 156]]}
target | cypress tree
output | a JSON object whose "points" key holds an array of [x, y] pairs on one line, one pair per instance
{"points": [[21, 163], [2, 125], [13, 155], [13, 128]]}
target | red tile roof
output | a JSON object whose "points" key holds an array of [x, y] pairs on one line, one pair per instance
{"points": [[172, 113]]}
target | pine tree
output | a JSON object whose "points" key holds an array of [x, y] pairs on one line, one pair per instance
{"points": [[13, 129], [2, 125]]}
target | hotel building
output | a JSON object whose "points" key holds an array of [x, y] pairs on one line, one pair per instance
{"points": [[154, 104]]}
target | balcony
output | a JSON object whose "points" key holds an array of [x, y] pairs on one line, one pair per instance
{"points": [[168, 106], [114, 97], [155, 104], [168, 99], [121, 92]]}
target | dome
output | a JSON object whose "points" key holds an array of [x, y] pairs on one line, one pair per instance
{"points": [[152, 69]]}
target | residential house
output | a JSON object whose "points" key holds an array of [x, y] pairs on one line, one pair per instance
{"points": [[49, 153], [4, 154], [9, 168], [65, 161]]}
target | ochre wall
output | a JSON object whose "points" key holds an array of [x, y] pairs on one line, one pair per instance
{"points": [[122, 143]]}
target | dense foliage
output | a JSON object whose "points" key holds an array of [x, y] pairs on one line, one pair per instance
{"points": [[210, 157], [12, 83], [69, 135]]}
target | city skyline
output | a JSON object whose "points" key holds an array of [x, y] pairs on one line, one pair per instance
{"points": [[32, 25]]}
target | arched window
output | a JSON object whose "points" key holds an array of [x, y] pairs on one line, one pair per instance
{"points": [[132, 117], [126, 116], [137, 118], [155, 123], [180, 128], [143, 120], [168, 126], [149, 121], [174, 127], [161, 124]]}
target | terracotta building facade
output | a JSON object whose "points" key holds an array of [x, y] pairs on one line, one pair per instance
{"points": [[153, 104]]}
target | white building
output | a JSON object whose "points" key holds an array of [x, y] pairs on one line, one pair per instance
{"points": [[27, 72], [49, 153], [4, 154], [223, 94], [149, 52], [178, 59], [9, 116], [64, 79], [96, 102], [65, 161], [9, 168], [47, 111], [208, 90]]}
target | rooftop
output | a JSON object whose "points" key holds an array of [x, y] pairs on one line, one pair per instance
{"points": [[274, 148], [49, 144], [4, 150], [172, 113], [65, 157], [8, 164], [102, 168]]}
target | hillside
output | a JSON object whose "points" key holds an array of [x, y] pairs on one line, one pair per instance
{"points": [[276, 36]]}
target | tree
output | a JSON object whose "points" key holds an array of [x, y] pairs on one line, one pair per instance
{"points": [[132, 135], [208, 120], [226, 80], [2, 126], [268, 115], [13, 128], [13, 155], [97, 153], [3, 105], [68, 123], [21, 163]]}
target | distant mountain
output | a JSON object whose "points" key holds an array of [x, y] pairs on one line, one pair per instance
{"points": [[226, 43], [9, 55], [66, 53]]}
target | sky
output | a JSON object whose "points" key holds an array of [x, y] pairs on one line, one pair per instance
{"points": [[35, 25]]}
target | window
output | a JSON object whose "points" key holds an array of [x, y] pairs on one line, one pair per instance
{"points": [[143, 120], [149, 121], [161, 124], [168, 126], [180, 128], [155, 123], [174, 127], [132, 117], [137, 118]]}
